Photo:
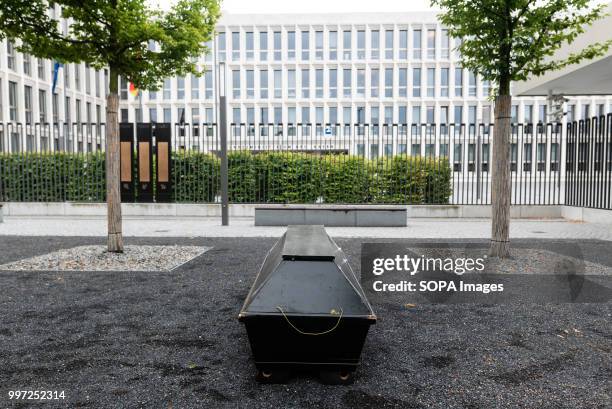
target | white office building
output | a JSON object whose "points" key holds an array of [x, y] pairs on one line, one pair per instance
{"points": [[351, 68]]}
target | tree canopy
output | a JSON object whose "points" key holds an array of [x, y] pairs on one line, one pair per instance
{"points": [[511, 40], [115, 33]]}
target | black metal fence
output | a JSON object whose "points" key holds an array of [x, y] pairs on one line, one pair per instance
{"points": [[323, 163]]}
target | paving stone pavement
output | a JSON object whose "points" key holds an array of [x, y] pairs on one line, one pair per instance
{"points": [[244, 227]]}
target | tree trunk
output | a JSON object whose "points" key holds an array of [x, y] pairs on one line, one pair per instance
{"points": [[113, 193], [500, 188]]}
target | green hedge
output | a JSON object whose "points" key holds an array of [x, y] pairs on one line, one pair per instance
{"points": [[268, 177]]}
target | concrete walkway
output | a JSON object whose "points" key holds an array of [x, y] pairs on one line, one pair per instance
{"points": [[244, 227]]}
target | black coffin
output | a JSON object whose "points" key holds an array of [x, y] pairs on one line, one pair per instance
{"points": [[306, 308]]}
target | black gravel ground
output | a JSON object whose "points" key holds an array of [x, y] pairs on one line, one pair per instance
{"points": [[171, 340]]}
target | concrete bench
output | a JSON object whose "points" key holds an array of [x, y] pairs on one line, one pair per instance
{"points": [[331, 215]]}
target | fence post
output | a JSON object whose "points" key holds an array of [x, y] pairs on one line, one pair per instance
{"points": [[223, 140]]}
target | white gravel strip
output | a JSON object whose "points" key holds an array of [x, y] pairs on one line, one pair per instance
{"points": [[96, 258]]}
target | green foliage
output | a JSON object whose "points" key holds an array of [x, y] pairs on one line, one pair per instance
{"points": [[511, 40], [52, 177], [268, 177], [115, 33]]}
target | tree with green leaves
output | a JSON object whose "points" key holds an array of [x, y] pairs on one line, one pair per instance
{"points": [[512, 40], [115, 34]]}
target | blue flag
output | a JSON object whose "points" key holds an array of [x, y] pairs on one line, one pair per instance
{"points": [[56, 67]]}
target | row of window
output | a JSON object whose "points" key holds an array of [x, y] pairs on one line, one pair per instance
{"points": [[429, 82], [75, 69], [350, 115], [43, 113], [333, 45]]}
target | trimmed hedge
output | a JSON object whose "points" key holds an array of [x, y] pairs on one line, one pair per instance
{"points": [[267, 177]]}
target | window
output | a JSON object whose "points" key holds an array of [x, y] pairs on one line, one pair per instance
{"points": [[403, 44], [375, 46], [305, 115], [586, 112], [55, 106], [222, 46], [277, 46], [153, 115], [375, 83], [250, 84], [416, 82], [375, 115], [236, 84], [514, 114], [431, 82], [403, 82], [42, 106], [305, 83], [209, 49], [429, 114], [486, 88], [528, 117], [346, 44], [138, 115], [388, 115], [388, 82], [333, 118], [444, 115], [278, 84], [78, 110], [291, 116], [319, 83], [291, 45], [346, 81], [10, 55], [263, 84], [361, 45], [195, 87], [67, 111], [457, 51], [361, 83], [389, 44], [250, 120], [195, 121], [263, 45], [472, 114], [444, 44], [27, 64], [542, 113], [123, 88], [97, 82], [333, 45], [208, 84], [431, 43], [319, 45], [235, 46], [236, 118], [416, 44], [166, 88], [67, 76], [250, 44], [41, 68], [471, 84], [180, 87], [333, 83], [458, 114], [458, 82], [27, 103], [291, 83], [88, 79], [167, 115], [444, 82], [305, 45], [402, 115], [77, 76]]}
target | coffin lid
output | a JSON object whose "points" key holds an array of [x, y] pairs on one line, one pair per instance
{"points": [[306, 273]]}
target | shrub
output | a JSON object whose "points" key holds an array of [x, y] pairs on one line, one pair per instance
{"points": [[266, 177]]}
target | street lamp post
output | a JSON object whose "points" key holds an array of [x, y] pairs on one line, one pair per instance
{"points": [[223, 140]]}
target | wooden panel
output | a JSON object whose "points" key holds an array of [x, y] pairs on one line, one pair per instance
{"points": [[162, 162], [126, 162], [143, 161]]}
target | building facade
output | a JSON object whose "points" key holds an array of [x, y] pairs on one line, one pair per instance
{"points": [[373, 69]]}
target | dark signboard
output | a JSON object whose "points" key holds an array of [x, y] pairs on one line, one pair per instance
{"points": [[127, 179]]}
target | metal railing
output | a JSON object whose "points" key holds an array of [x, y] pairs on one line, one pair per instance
{"points": [[326, 163]]}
